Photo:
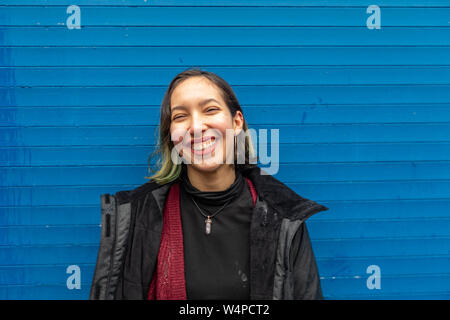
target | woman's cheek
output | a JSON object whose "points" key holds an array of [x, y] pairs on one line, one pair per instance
{"points": [[177, 135]]}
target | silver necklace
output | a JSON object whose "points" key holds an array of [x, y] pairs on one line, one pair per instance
{"points": [[208, 220]]}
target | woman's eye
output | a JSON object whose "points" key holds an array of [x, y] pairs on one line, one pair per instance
{"points": [[211, 109], [178, 117]]}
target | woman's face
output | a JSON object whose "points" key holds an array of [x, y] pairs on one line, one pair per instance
{"points": [[200, 120]]}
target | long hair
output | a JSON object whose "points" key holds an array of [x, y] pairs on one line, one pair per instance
{"points": [[166, 170]]}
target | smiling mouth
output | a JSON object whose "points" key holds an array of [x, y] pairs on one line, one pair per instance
{"points": [[204, 147]]}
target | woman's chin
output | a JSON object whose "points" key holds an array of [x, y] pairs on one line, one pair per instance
{"points": [[208, 165]]}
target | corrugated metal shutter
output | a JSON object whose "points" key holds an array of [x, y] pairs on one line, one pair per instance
{"points": [[363, 116]]}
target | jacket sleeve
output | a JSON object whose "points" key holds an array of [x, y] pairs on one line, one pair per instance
{"points": [[305, 273], [107, 280], [99, 286]]}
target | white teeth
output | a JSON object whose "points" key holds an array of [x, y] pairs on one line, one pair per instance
{"points": [[201, 146]]}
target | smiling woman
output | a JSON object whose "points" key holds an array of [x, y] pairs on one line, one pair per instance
{"points": [[198, 110], [206, 226]]}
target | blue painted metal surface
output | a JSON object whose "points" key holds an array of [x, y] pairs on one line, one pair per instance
{"points": [[364, 120]]}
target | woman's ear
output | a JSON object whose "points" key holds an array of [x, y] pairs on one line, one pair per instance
{"points": [[238, 122]]}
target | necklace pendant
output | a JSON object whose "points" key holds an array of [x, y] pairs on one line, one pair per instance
{"points": [[208, 222]]}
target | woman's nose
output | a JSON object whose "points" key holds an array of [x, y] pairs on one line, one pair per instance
{"points": [[197, 125]]}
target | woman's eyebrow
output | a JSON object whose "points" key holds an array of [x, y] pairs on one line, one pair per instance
{"points": [[201, 104], [206, 101], [179, 107]]}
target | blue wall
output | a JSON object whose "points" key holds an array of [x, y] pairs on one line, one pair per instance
{"points": [[364, 119]]}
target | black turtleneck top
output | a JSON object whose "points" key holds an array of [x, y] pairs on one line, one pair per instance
{"points": [[217, 264]]}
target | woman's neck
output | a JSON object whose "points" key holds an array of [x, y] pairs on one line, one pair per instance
{"points": [[218, 180]]}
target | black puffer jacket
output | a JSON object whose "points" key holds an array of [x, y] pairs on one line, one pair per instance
{"points": [[282, 263]]}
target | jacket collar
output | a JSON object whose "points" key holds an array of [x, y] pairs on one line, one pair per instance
{"points": [[283, 199], [275, 193]]}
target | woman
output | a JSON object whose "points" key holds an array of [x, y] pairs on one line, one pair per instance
{"points": [[206, 226]]}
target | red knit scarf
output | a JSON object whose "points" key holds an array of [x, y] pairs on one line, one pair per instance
{"points": [[168, 282]]}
